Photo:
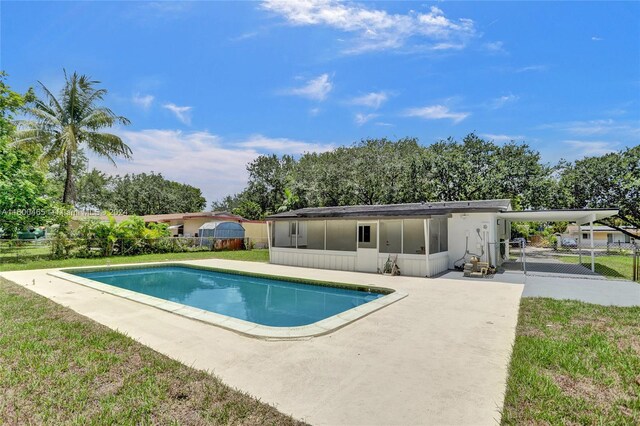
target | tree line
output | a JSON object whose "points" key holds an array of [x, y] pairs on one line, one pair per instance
{"points": [[383, 171]]}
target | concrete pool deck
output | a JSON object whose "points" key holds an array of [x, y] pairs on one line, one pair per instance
{"points": [[438, 356]]}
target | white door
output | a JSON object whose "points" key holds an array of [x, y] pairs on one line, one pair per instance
{"points": [[367, 259]]}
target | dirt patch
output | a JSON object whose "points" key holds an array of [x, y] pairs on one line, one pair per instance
{"points": [[606, 397]]}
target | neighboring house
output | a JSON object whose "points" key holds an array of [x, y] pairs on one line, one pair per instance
{"points": [[187, 224], [602, 235], [427, 238]]}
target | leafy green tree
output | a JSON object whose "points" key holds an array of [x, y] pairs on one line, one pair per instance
{"points": [[477, 169], [608, 181], [151, 193], [62, 125], [268, 177], [94, 190], [228, 203], [248, 210], [21, 183], [291, 201]]}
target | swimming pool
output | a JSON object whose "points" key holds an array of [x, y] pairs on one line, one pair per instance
{"points": [[264, 301]]}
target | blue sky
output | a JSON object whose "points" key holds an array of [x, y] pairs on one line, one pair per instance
{"points": [[208, 86]]}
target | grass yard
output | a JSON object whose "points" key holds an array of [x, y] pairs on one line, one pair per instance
{"points": [[574, 363], [57, 367], [611, 266], [258, 255]]}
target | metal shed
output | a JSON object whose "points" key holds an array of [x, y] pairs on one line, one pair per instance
{"points": [[221, 230]]}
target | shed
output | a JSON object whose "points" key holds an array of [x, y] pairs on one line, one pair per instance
{"points": [[221, 230]]}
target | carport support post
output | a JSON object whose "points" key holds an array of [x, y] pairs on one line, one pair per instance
{"points": [[579, 244], [593, 260]]}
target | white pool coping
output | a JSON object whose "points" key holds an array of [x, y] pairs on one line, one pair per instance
{"points": [[246, 328]]}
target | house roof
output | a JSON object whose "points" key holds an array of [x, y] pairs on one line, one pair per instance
{"points": [[184, 216], [402, 210], [169, 216]]}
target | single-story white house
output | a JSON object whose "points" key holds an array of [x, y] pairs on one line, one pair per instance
{"points": [[428, 238], [602, 235]]}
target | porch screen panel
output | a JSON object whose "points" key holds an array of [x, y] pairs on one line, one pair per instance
{"points": [[390, 236], [413, 236], [284, 234], [311, 234], [438, 235], [342, 235]]}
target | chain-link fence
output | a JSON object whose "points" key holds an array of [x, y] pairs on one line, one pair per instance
{"points": [[22, 251], [612, 260]]}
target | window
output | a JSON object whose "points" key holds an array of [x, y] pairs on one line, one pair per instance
{"points": [[294, 228], [413, 236], [364, 234], [390, 236], [438, 235], [585, 236], [367, 235], [341, 235]]}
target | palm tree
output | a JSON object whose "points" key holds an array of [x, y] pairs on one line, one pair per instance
{"points": [[62, 126]]}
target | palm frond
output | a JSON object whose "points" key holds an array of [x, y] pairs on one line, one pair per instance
{"points": [[107, 145]]}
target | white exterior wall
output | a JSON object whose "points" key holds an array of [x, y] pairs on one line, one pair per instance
{"points": [[322, 259], [414, 265], [462, 225]]}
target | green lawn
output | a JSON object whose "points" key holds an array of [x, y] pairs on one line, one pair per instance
{"points": [[611, 266], [260, 255], [58, 367], [574, 363]]}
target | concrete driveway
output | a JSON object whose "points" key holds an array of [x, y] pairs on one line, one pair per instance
{"points": [[598, 290], [439, 356]]}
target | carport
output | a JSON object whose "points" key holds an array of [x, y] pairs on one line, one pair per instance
{"points": [[578, 216]]}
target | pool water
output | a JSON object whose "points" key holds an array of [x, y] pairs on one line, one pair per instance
{"points": [[260, 300]]}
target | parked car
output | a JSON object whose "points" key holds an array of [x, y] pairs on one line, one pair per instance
{"points": [[569, 243], [519, 240]]}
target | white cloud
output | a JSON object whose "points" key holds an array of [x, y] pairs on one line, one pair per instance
{"points": [[361, 119], [595, 38], [143, 101], [532, 68], [591, 148], [199, 158], [495, 47], [382, 123], [502, 138], [182, 113], [313, 112], [503, 100], [622, 129], [283, 145], [244, 36], [195, 158], [317, 88], [371, 100], [435, 112], [376, 29]]}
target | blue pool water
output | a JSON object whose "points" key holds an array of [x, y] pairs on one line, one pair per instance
{"points": [[259, 300]]}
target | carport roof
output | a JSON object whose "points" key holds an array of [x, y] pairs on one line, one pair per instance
{"points": [[579, 216]]}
